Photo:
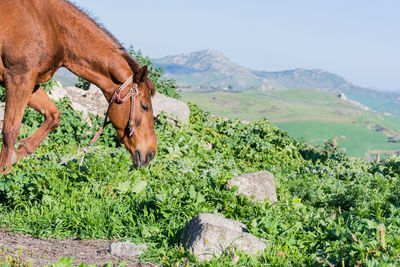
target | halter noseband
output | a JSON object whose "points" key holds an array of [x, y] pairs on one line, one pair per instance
{"points": [[116, 96]]}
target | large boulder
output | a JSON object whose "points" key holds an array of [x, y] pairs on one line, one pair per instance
{"points": [[208, 235], [175, 109], [92, 101], [260, 185]]}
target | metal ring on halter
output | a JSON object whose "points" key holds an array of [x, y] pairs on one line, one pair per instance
{"points": [[136, 92]]}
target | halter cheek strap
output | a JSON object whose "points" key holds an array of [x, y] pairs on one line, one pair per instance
{"points": [[133, 92]]}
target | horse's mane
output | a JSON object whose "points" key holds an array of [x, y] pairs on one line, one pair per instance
{"points": [[86, 14]]}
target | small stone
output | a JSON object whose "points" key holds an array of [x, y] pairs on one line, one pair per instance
{"points": [[208, 235], [261, 185], [235, 259], [126, 249]]}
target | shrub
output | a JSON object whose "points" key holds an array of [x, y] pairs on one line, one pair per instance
{"points": [[83, 84]]}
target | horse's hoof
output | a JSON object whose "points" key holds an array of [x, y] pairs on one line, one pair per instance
{"points": [[14, 157]]}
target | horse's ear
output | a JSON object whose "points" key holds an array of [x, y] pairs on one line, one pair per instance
{"points": [[142, 73]]}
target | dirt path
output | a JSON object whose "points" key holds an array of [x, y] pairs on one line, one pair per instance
{"points": [[40, 252]]}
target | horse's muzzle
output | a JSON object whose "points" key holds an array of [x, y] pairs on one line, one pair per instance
{"points": [[140, 160]]}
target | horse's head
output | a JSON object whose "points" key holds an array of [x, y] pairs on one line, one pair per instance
{"points": [[139, 137]]}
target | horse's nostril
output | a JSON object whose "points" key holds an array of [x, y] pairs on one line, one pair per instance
{"points": [[138, 156], [143, 160], [151, 155]]}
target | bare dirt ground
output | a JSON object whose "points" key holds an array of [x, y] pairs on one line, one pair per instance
{"points": [[41, 252]]}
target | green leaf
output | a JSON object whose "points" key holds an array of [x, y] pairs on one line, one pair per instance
{"points": [[139, 187], [192, 192], [123, 187], [161, 197]]}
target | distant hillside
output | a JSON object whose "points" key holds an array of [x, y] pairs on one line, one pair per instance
{"points": [[321, 117], [211, 68], [208, 68], [66, 77]]}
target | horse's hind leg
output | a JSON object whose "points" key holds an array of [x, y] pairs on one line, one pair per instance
{"points": [[18, 90], [40, 102]]}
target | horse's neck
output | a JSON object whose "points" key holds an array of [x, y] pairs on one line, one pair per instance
{"points": [[93, 55], [107, 72]]}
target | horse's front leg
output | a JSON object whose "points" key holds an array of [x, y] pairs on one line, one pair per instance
{"points": [[40, 102], [18, 91]]}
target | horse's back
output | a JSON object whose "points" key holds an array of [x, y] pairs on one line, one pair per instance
{"points": [[28, 39]]}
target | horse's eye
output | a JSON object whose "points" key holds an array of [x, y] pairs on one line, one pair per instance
{"points": [[145, 107]]}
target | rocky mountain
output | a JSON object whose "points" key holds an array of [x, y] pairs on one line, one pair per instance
{"points": [[212, 69], [207, 68]]}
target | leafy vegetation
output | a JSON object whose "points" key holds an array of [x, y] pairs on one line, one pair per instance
{"points": [[165, 86], [69, 262], [9, 259], [330, 209], [83, 84]]}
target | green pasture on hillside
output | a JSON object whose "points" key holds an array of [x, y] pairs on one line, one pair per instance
{"points": [[357, 142], [307, 113], [376, 103], [277, 106]]}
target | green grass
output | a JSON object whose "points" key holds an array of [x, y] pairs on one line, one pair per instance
{"points": [[358, 139], [325, 200], [330, 208], [277, 106], [307, 113], [380, 102]]}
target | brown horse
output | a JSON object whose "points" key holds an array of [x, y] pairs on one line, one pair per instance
{"points": [[36, 38]]}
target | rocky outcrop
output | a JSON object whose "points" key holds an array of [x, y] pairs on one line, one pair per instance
{"points": [[342, 96], [260, 185], [208, 235], [355, 103]]}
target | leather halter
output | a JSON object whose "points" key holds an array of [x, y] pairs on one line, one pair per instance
{"points": [[116, 96]]}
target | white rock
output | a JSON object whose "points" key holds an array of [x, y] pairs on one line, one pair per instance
{"points": [[208, 235], [57, 92], [94, 89], [92, 101], [174, 108], [261, 185], [126, 249]]}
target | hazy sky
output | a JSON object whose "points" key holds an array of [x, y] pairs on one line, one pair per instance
{"points": [[358, 39]]}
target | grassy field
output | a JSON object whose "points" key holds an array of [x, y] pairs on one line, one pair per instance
{"points": [[331, 210], [358, 139], [307, 113]]}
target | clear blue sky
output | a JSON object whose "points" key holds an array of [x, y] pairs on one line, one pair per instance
{"points": [[358, 39]]}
